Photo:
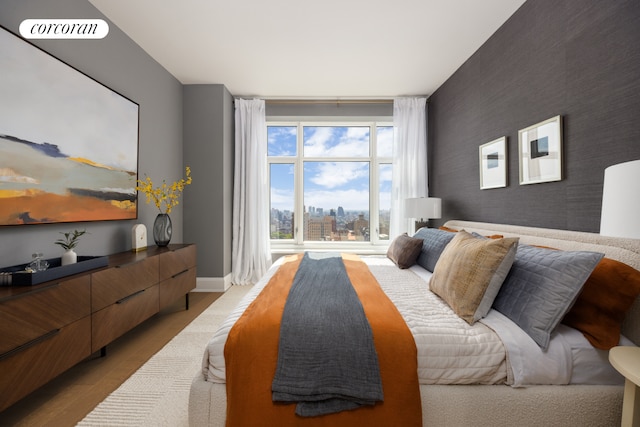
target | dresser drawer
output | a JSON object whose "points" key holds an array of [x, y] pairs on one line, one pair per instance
{"points": [[33, 314], [177, 261], [24, 370], [176, 287], [114, 284], [116, 319]]}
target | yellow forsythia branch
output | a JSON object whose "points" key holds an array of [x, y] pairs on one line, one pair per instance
{"points": [[164, 194]]}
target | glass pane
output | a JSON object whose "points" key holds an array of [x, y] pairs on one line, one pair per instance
{"points": [[281, 180], [336, 141], [385, 141], [281, 140], [384, 200], [336, 200]]}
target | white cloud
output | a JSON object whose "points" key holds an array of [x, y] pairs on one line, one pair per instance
{"points": [[336, 174], [282, 199], [325, 143]]}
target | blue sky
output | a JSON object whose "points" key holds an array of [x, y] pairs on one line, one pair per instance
{"points": [[327, 184]]}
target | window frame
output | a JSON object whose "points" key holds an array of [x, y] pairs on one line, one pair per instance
{"points": [[297, 244]]}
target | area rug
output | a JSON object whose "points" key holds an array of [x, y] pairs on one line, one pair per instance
{"points": [[158, 393]]}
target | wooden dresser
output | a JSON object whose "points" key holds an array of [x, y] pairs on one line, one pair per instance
{"points": [[48, 328]]}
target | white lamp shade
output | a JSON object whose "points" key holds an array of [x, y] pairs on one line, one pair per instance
{"points": [[423, 207], [621, 201]]}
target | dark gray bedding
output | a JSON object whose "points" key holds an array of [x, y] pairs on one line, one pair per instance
{"points": [[327, 361]]}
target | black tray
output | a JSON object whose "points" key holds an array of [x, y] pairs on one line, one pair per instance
{"points": [[55, 271]]}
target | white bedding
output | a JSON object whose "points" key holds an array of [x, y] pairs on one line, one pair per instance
{"points": [[492, 351]]}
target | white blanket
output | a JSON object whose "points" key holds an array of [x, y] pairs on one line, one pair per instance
{"points": [[450, 351]]}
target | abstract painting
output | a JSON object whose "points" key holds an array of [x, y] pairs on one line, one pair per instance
{"points": [[493, 164], [68, 144], [540, 152]]}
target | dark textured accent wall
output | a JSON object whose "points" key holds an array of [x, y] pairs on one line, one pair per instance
{"points": [[575, 58]]}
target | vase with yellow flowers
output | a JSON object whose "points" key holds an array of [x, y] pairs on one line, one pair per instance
{"points": [[165, 197]]}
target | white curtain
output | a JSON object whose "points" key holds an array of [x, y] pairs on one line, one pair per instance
{"points": [[251, 252], [409, 177]]}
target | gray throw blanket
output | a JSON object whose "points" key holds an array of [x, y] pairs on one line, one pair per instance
{"points": [[327, 361]]}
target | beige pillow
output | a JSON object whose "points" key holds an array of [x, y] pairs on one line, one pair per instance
{"points": [[470, 272], [404, 250]]}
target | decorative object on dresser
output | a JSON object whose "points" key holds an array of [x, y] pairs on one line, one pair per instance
{"points": [[162, 229], [48, 328], [621, 201], [540, 152], [25, 275], [138, 237], [164, 196], [493, 164], [69, 242]]}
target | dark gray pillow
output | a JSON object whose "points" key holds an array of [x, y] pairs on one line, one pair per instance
{"points": [[433, 243], [404, 250], [542, 286]]}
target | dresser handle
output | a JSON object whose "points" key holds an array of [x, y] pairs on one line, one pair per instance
{"points": [[34, 291], [125, 264], [130, 296], [31, 343], [179, 274]]}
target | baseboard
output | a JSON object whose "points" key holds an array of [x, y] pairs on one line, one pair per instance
{"points": [[213, 284]]}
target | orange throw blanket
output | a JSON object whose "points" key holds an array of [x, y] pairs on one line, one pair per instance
{"points": [[251, 354]]}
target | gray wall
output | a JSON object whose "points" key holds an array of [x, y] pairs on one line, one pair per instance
{"points": [[576, 58], [122, 65], [208, 149]]}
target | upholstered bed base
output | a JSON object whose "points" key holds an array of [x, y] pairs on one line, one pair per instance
{"points": [[496, 405], [468, 405]]}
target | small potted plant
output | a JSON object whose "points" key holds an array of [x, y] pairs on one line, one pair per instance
{"points": [[69, 242]]}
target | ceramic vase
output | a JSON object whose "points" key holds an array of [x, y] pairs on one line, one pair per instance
{"points": [[69, 257]]}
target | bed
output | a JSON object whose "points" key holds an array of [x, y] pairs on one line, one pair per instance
{"points": [[533, 378]]}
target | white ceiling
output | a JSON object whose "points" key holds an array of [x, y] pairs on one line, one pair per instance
{"points": [[311, 49]]}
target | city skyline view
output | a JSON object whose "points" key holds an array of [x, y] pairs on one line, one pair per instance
{"points": [[327, 183], [336, 164]]}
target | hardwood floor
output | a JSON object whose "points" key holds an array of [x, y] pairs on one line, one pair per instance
{"points": [[70, 397]]}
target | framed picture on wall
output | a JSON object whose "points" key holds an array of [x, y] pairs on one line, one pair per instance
{"points": [[540, 152], [68, 144], [493, 164]]}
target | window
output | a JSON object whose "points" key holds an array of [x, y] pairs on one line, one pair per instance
{"points": [[329, 182]]}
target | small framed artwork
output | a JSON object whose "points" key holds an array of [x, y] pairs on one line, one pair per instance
{"points": [[493, 164], [540, 152]]}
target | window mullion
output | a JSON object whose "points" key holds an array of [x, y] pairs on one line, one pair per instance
{"points": [[299, 190], [374, 190]]}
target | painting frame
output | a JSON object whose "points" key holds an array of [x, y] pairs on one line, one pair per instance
{"points": [[69, 145], [493, 164], [540, 152]]}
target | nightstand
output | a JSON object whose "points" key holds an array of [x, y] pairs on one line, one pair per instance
{"points": [[626, 360]]}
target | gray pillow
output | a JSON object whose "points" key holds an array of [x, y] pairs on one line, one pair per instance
{"points": [[542, 286], [433, 243], [404, 250]]}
